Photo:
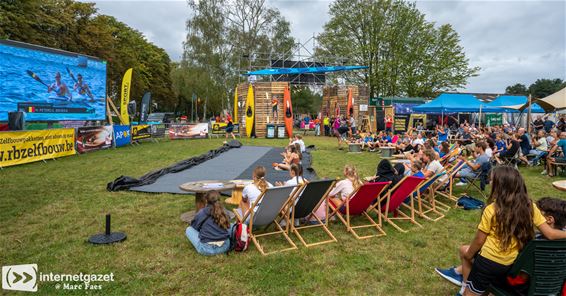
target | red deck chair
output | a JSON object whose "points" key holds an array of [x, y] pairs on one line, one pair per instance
{"points": [[395, 197], [357, 204]]}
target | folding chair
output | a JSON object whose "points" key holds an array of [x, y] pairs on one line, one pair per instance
{"points": [[267, 208], [303, 206], [395, 197], [544, 261], [511, 161], [428, 206], [359, 203], [482, 177], [446, 183]]}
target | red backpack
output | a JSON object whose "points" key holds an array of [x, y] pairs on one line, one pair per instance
{"points": [[239, 237]]}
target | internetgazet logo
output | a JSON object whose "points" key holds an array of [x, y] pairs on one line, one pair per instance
{"points": [[20, 277], [26, 277]]}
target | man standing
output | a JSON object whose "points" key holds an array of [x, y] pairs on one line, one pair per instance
{"points": [[326, 123], [388, 123], [274, 108]]}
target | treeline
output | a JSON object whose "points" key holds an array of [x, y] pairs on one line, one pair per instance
{"points": [[539, 89], [406, 54], [77, 27]]}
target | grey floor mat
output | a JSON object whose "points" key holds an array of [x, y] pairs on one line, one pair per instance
{"points": [[227, 166], [272, 175]]}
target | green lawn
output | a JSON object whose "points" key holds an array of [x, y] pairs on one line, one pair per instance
{"points": [[48, 210]]}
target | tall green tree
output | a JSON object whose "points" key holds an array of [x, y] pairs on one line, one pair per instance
{"points": [[545, 87], [406, 55], [224, 39], [78, 27], [517, 89]]}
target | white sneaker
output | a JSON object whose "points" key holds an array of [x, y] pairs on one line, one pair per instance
{"points": [[461, 184], [543, 172]]}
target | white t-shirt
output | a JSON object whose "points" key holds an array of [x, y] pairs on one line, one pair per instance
{"points": [[543, 145], [301, 144], [352, 122], [293, 181], [435, 167], [251, 192], [342, 189], [418, 141], [489, 152]]}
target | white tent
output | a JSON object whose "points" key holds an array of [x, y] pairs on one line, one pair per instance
{"points": [[554, 102]]}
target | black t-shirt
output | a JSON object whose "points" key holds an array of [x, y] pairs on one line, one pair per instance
{"points": [[539, 124], [525, 143], [513, 150]]}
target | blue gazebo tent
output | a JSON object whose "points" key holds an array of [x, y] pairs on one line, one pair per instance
{"points": [[455, 103], [507, 100]]}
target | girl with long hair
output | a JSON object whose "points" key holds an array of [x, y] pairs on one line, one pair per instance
{"points": [[290, 156], [209, 231], [345, 187], [506, 226], [252, 191], [296, 174]]}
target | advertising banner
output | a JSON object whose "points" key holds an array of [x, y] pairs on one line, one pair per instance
{"points": [[29, 146], [50, 84], [126, 84], [188, 131], [417, 119], [122, 136], [141, 131], [91, 138], [494, 119], [145, 106], [400, 123], [158, 130], [220, 128]]}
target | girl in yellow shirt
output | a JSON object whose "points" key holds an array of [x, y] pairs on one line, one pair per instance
{"points": [[507, 225]]}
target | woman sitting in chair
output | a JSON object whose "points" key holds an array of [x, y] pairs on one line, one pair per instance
{"points": [[210, 229], [251, 192], [345, 187]]}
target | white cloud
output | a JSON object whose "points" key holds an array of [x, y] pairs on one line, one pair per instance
{"points": [[512, 41]]}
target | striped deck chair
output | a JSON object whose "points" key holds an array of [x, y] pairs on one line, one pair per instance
{"points": [[264, 211], [359, 203]]}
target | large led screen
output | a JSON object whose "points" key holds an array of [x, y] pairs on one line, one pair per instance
{"points": [[49, 84]]}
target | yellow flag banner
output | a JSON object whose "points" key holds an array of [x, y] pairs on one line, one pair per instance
{"points": [[126, 87], [29, 146]]}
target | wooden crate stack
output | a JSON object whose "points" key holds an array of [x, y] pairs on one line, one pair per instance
{"points": [[264, 92], [333, 94]]}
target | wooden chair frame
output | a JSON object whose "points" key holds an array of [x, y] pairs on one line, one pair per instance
{"points": [[347, 220], [324, 225], [385, 214], [280, 230], [427, 206], [449, 181]]}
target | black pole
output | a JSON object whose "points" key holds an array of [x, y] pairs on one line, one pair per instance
{"points": [[107, 224]]}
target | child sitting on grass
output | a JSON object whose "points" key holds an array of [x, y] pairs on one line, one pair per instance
{"points": [[507, 225], [210, 229]]}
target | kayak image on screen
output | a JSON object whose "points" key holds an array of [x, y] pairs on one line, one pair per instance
{"points": [[50, 84]]}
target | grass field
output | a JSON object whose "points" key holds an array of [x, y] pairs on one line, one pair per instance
{"points": [[48, 210]]}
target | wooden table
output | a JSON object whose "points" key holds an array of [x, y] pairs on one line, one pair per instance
{"points": [[236, 197], [200, 188], [560, 185]]}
